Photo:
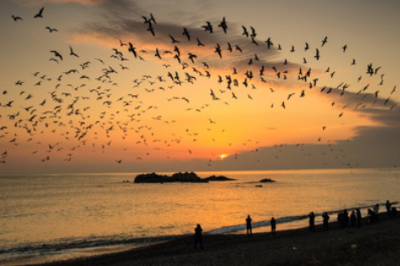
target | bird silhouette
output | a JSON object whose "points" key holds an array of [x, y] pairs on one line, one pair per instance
{"points": [[132, 49], [40, 14], [245, 32], [317, 54], [57, 54], [269, 43], [223, 25], [324, 41], [199, 43], [186, 33], [208, 27], [16, 18], [218, 50], [72, 52], [51, 29]]}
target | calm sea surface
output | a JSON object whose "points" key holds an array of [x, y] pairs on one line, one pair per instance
{"points": [[47, 217]]}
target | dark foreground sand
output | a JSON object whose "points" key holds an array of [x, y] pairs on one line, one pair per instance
{"points": [[372, 244]]}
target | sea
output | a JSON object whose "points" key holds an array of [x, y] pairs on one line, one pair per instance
{"points": [[45, 218]]}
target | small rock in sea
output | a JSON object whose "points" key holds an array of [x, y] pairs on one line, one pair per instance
{"points": [[258, 185]]}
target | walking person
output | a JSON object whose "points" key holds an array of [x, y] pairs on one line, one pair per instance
{"points": [[248, 226], [273, 226], [198, 236]]}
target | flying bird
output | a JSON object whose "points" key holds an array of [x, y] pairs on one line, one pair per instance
{"points": [[245, 32], [223, 25], [40, 14], [317, 54], [218, 50], [173, 39], [186, 33], [16, 18], [132, 49], [51, 29], [269, 43], [208, 27], [199, 43], [72, 52], [324, 41], [57, 54]]}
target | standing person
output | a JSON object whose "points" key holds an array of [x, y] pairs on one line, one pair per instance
{"points": [[312, 221], [353, 219], [358, 214], [198, 236], [248, 226], [388, 207], [273, 226], [325, 219]]}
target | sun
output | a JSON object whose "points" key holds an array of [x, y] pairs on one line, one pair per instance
{"points": [[223, 156]]}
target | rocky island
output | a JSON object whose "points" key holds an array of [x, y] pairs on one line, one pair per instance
{"points": [[177, 177], [267, 180]]}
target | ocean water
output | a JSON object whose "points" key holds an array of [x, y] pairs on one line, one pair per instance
{"points": [[52, 217]]}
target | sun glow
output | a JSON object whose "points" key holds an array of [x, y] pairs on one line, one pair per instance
{"points": [[223, 156]]}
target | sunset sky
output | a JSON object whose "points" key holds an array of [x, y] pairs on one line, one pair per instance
{"points": [[106, 111]]}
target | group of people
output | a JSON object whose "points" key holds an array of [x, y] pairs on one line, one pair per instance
{"points": [[345, 220], [354, 219], [249, 230]]}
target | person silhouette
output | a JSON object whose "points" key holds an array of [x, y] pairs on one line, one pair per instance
{"points": [[312, 221], [388, 207], [346, 218], [325, 219], [358, 214], [198, 236], [353, 219], [273, 226], [248, 226], [341, 219]]}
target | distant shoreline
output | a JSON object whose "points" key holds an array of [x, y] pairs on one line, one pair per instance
{"points": [[369, 245]]}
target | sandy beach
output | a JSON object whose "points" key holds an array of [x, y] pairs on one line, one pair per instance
{"points": [[372, 244]]}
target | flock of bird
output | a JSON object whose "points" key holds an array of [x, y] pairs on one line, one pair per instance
{"points": [[67, 109]]}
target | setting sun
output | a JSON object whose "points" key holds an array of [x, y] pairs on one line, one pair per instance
{"points": [[223, 156]]}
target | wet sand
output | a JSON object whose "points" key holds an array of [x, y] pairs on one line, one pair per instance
{"points": [[372, 244]]}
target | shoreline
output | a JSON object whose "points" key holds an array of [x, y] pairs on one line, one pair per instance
{"points": [[372, 244]]}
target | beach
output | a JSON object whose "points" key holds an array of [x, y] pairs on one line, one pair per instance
{"points": [[372, 244]]}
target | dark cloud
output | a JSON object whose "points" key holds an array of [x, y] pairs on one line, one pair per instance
{"points": [[372, 147]]}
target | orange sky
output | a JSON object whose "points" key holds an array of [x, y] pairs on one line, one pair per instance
{"points": [[76, 122]]}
